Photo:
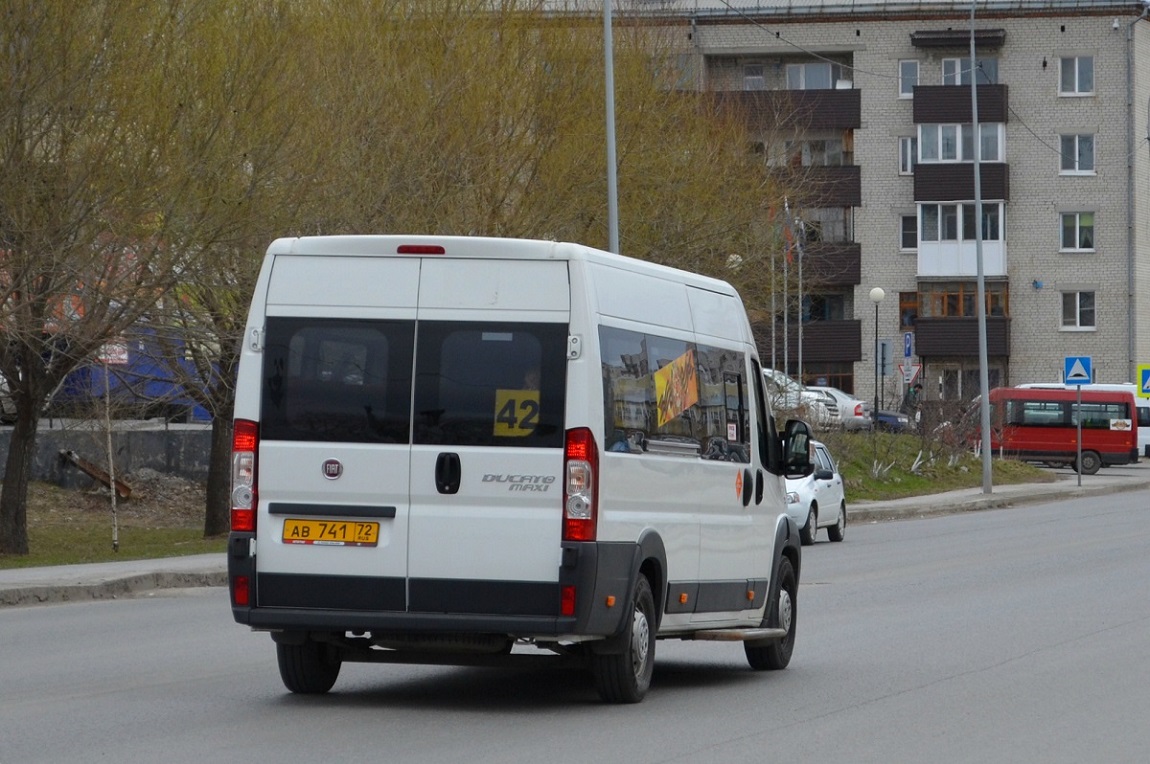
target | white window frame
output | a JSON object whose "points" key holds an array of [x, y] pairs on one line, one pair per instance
{"points": [[953, 70], [950, 143], [1073, 156], [907, 77], [902, 230], [955, 213], [1070, 76], [797, 74], [1072, 302], [907, 154], [1078, 228], [753, 81]]}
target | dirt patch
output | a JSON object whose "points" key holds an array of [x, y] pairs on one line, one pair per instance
{"points": [[157, 501]]}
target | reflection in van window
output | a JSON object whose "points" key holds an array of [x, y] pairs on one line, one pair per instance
{"points": [[490, 384], [673, 396], [337, 380]]}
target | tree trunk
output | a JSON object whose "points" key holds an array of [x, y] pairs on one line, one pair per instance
{"points": [[17, 475], [217, 518]]}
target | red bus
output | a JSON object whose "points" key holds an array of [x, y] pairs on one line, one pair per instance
{"points": [[1040, 425]]}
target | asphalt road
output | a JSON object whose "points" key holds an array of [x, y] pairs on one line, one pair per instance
{"points": [[1003, 635]]}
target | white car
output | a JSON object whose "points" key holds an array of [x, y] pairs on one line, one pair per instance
{"points": [[787, 395], [818, 500], [854, 414]]}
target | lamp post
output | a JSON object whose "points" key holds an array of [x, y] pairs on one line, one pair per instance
{"points": [[876, 296]]}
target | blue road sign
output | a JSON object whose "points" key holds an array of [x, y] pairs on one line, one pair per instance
{"points": [[1144, 381], [1077, 370], [907, 339]]}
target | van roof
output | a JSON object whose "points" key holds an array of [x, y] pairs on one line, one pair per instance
{"points": [[385, 245]]}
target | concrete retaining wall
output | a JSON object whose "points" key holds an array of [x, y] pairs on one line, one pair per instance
{"points": [[175, 449]]}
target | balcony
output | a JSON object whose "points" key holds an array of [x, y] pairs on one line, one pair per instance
{"points": [[770, 110], [833, 264], [954, 181], [952, 259], [958, 337], [823, 341], [833, 186], [950, 104]]}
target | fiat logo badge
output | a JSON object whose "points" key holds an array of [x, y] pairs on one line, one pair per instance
{"points": [[332, 469]]}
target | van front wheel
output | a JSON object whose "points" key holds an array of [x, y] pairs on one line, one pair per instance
{"points": [[626, 676], [310, 668], [776, 653]]}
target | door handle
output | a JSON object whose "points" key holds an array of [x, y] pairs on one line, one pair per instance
{"points": [[448, 473]]}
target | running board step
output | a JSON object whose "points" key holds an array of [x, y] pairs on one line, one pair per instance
{"points": [[738, 635]]}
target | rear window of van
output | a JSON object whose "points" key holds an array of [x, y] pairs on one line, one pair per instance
{"points": [[475, 383]]}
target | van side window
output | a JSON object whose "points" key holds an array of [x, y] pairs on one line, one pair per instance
{"points": [[673, 396], [337, 380], [490, 384]]}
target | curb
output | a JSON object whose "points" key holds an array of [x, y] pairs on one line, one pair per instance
{"points": [[112, 588], [885, 511]]}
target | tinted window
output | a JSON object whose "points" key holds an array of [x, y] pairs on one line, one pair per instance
{"points": [[337, 380], [490, 384], [673, 396]]}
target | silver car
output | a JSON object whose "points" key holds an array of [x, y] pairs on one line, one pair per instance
{"points": [[819, 499], [854, 413]]}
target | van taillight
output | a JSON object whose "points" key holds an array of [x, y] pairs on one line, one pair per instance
{"points": [[580, 500], [858, 409], [245, 445]]}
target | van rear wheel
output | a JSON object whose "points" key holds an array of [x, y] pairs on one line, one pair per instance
{"points": [[626, 676], [310, 668], [1091, 463]]}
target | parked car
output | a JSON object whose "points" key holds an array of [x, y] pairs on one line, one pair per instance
{"points": [[819, 499], [854, 414], [789, 396], [894, 421]]}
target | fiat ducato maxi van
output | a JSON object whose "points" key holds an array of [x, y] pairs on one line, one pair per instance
{"points": [[470, 451]]}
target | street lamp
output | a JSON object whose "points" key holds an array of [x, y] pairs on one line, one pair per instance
{"points": [[876, 296]]}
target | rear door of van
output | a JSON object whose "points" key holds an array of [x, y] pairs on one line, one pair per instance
{"points": [[488, 437], [412, 427]]}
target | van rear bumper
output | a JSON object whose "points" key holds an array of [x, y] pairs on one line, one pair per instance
{"points": [[594, 572]]}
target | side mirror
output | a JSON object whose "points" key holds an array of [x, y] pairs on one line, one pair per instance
{"points": [[797, 449], [822, 474]]}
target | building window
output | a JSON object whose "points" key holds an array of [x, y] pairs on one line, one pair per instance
{"points": [[907, 309], [1078, 154], [907, 78], [908, 235], [991, 222], [824, 307], [813, 75], [957, 71], [753, 78], [955, 143], [1077, 231], [943, 222], [960, 299], [907, 154], [1076, 76], [1077, 310]]}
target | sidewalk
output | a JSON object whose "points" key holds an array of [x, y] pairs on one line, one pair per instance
{"points": [[109, 580]]}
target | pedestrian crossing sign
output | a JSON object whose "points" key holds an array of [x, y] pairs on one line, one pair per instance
{"points": [[1144, 380], [1078, 370]]}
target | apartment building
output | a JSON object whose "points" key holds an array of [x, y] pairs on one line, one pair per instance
{"points": [[874, 101]]}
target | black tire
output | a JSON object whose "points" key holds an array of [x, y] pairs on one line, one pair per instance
{"points": [[310, 668], [838, 531], [1091, 463], [809, 531], [625, 677], [776, 654]]}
